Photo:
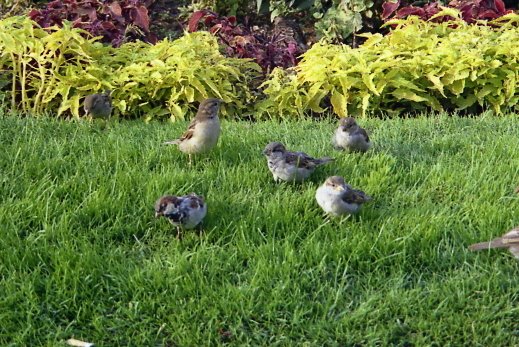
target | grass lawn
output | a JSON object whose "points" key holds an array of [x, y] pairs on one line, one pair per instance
{"points": [[81, 254]]}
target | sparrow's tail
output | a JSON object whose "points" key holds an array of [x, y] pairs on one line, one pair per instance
{"points": [[323, 160], [174, 142], [495, 243]]}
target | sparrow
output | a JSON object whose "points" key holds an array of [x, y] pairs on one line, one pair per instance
{"points": [[351, 137], [510, 240], [338, 198], [286, 30], [290, 166], [98, 105], [182, 211], [203, 131]]}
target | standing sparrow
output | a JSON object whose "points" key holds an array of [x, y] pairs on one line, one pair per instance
{"points": [[203, 131], [290, 166], [509, 240], [337, 198], [98, 105], [182, 211], [351, 137]]}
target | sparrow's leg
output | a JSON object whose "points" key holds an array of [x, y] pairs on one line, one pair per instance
{"points": [[200, 229], [190, 159], [179, 233]]}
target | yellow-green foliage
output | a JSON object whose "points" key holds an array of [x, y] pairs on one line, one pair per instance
{"points": [[52, 70], [418, 65], [14, 7]]}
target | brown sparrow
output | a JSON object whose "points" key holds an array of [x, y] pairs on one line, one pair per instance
{"points": [[182, 211], [287, 29], [290, 166], [98, 105], [338, 198], [510, 240], [203, 131], [351, 137]]}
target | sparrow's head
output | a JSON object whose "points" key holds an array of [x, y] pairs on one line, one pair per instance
{"points": [[279, 20], [107, 96], [274, 147], [163, 204], [208, 109], [347, 123], [336, 183]]}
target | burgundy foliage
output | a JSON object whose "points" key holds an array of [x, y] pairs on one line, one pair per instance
{"points": [[471, 10], [116, 21], [240, 41]]}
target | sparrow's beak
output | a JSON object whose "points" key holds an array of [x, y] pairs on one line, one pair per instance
{"points": [[264, 152], [340, 188]]}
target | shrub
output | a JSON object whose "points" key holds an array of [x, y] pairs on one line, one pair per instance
{"points": [[115, 21], [13, 7], [471, 10], [225, 7], [267, 49], [335, 20], [419, 65], [53, 69]]}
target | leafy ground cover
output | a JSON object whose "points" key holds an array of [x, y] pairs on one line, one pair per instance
{"points": [[82, 255]]}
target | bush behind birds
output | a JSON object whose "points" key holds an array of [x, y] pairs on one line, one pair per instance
{"points": [[53, 69], [419, 65]]}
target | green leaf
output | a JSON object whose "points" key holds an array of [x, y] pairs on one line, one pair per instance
{"points": [[339, 104]]}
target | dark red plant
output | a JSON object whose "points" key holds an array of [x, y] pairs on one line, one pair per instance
{"points": [[471, 10], [116, 21], [240, 41]]}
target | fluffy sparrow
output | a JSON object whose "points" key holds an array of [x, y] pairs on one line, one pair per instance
{"points": [[351, 137], [98, 105], [286, 30], [182, 211], [337, 198], [203, 131], [510, 240], [290, 166]]}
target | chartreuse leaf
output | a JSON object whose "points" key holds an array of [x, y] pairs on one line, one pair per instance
{"points": [[56, 68], [339, 103], [419, 65], [447, 11]]}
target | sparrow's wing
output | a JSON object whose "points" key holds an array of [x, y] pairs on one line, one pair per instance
{"points": [[509, 239], [300, 159], [512, 237], [364, 134], [354, 196], [190, 130], [195, 201]]}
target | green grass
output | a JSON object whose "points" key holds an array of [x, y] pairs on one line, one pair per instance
{"points": [[81, 254]]}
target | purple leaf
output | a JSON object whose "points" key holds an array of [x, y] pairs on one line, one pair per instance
{"points": [[411, 11], [195, 19], [140, 17], [389, 8]]}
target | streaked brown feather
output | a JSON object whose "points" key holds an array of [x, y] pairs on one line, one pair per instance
{"points": [[509, 239], [303, 160], [354, 196]]}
